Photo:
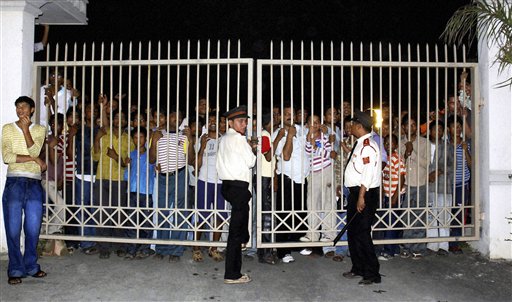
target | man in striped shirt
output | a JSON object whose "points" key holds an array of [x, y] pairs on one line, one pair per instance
{"points": [[23, 195], [168, 152], [462, 161], [320, 193]]}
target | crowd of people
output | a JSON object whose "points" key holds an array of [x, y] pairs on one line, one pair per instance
{"points": [[163, 169]]}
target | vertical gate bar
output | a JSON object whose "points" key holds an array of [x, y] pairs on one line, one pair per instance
{"points": [[238, 76], [418, 113], [399, 92], [120, 105], [259, 207], [187, 112], [352, 76], [361, 78], [281, 87], [409, 112], [111, 124], [332, 214], [460, 103], [228, 71], [91, 184], [176, 127], [274, 175]]}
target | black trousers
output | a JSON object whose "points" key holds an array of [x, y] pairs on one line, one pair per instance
{"points": [[266, 205], [238, 195], [360, 244], [285, 187], [118, 190]]}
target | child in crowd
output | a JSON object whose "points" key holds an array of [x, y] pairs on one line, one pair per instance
{"points": [[393, 180], [139, 174]]}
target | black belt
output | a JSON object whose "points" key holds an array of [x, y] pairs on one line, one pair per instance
{"points": [[173, 172]]}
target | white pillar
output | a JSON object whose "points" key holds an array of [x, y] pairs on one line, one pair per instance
{"points": [[16, 60], [495, 157]]}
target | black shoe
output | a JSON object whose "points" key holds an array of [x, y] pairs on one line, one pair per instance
{"points": [[350, 275], [369, 281], [104, 255]]}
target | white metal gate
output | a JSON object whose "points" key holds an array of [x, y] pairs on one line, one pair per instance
{"points": [[392, 79], [385, 78]]}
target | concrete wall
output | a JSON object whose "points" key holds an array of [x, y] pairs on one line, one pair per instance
{"points": [[495, 160], [16, 60]]}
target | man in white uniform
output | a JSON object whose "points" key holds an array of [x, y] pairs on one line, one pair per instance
{"points": [[235, 159]]}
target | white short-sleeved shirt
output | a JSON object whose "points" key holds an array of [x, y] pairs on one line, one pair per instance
{"points": [[298, 167], [364, 167], [63, 100], [208, 171]]}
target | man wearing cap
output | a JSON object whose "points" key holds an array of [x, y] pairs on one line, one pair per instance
{"points": [[235, 159], [363, 179]]}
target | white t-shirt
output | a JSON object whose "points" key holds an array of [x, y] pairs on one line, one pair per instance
{"points": [[63, 99], [208, 171], [298, 167]]}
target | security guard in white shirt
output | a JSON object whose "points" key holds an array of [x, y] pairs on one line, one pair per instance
{"points": [[363, 179], [235, 160]]}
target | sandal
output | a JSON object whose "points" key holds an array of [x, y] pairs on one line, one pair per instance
{"points": [[329, 254], [215, 254], [337, 258], [197, 256], [39, 274], [14, 280]]}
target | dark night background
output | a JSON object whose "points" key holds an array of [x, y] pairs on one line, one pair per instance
{"points": [[256, 23], [406, 21]]}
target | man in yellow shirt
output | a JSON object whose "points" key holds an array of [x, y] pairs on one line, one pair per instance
{"points": [[111, 149], [23, 195]]}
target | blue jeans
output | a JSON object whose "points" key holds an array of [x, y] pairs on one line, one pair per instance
{"points": [[392, 249], [22, 195], [461, 217], [167, 201], [87, 231], [341, 249]]}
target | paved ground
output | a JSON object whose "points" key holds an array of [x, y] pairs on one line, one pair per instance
{"points": [[466, 277]]}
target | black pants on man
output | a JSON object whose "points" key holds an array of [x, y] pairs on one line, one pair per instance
{"points": [[360, 244], [110, 197], [238, 194], [287, 188]]}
